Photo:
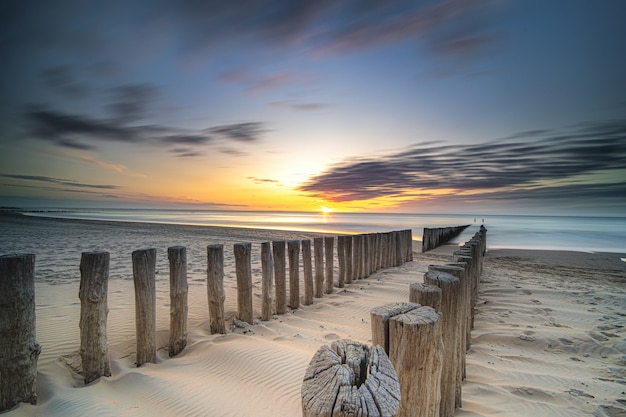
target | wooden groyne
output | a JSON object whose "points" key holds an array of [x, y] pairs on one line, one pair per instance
{"points": [[434, 237], [428, 337], [357, 256]]}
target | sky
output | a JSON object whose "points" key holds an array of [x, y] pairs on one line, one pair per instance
{"points": [[451, 106]]}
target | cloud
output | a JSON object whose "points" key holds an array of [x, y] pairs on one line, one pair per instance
{"points": [[62, 79], [518, 165], [131, 102], [294, 105], [60, 181], [86, 133]]}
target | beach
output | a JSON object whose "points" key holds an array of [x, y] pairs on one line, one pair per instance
{"points": [[549, 336]]}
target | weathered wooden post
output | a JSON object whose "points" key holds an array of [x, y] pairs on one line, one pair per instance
{"points": [[460, 323], [177, 256], [307, 268], [341, 259], [415, 350], [19, 350], [450, 307], [267, 281], [358, 256], [318, 256], [293, 250], [329, 242], [215, 288], [350, 379], [399, 248], [144, 277], [366, 255], [280, 279], [93, 293], [243, 270], [349, 261], [380, 321], [425, 294]]}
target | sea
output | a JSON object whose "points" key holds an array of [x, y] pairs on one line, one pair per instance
{"points": [[577, 233]]}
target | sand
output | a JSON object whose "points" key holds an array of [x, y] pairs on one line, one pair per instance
{"points": [[549, 340]]}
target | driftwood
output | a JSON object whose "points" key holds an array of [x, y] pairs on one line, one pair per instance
{"points": [[415, 350], [280, 280], [144, 277], [348, 379], [177, 256], [19, 350], [329, 242], [267, 281], [243, 270], [307, 269], [293, 253], [380, 321], [215, 288], [451, 334], [94, 283], [425, 294]]}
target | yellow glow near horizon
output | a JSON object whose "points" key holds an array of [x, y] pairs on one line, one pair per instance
{"points": [[326, 210]]}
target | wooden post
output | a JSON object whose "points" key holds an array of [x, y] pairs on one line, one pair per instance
{"points": [[19, 350], [318, 255], [329, 242], [341, 259], [366, 255], [144, 276], [215, 288], [94, 282], [358, 256], [399, 248], [415, 350], [307, 267], [349, 379], [451, 324], [349, 261], [280, 280], [380, 321], [267, 284], [293, 249], [177, 256], [425, 294], [243, 270], [460, 323]]}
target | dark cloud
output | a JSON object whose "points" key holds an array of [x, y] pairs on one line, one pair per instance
{"points": [[294, 105], [520, 164], [82, 132], [59, 181], [241, 132], [263, 180], [62, 79], [131, 102]]}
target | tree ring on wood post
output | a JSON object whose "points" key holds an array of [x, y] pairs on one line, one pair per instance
{"points": [[349, 378]]}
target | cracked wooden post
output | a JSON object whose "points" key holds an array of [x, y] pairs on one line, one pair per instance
{"points": [[366, 255], [329, 242], [341, 259], [144, 277], [380, 321], [177, 256], [425, 294], [280, 280], [358, 257], [450, 327], [243, 270], [415, 350], [318, 255], [293, 253], [348, 379], [94, 282], [307, 268], [267, 281], [19, 350], [215, 288]]}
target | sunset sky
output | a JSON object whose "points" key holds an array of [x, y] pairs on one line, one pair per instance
{"points": [[449, 106]]}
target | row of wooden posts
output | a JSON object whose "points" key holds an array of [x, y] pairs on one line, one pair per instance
{"points": [[437, 236], [358, 256], [425, 339]]}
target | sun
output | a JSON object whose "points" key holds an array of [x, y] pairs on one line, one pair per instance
{"points": [[326, 210]]}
